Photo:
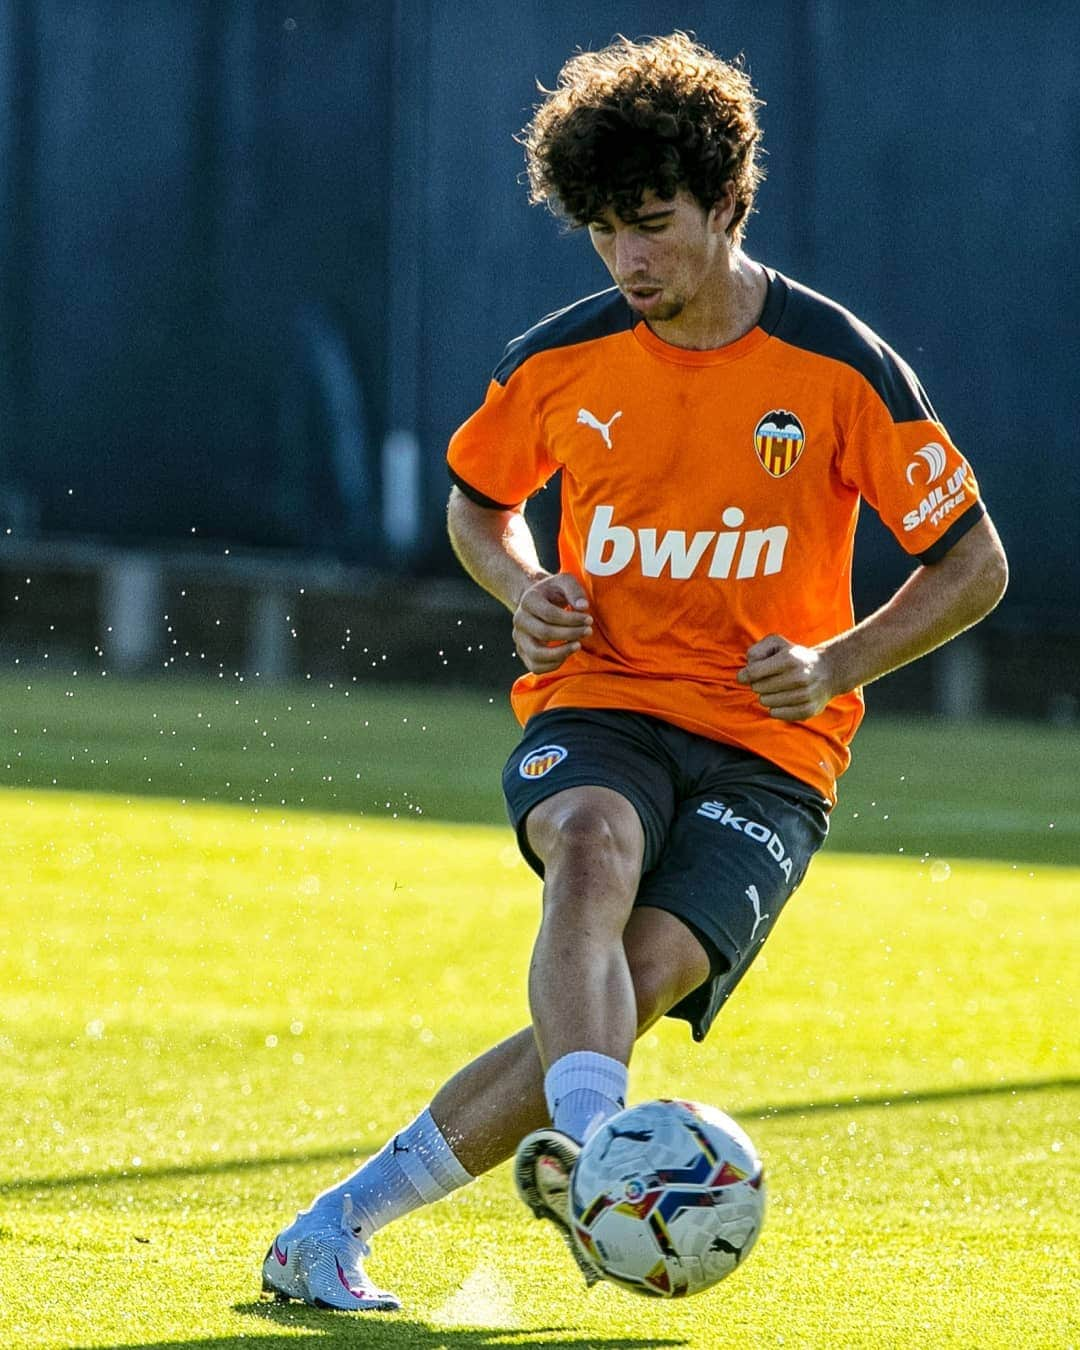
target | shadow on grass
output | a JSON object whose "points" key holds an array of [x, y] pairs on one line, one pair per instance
{"points": [[893, 1099], [389, 1332], [343, 1155]]}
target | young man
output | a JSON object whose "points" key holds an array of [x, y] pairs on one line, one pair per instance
{"points": [[694, 667]]}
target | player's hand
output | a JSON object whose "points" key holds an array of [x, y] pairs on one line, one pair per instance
{"points": [[792, 682], [551, 622]]}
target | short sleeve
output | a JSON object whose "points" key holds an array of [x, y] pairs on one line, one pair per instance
{"points": [[498, 457], [912, 474]]}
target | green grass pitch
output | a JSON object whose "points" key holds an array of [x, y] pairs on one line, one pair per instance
{"points": [[213, 1007]]}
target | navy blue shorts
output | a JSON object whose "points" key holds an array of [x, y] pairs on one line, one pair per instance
{"points": [[728, 835]]}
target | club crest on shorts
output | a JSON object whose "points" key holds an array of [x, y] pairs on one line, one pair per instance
{"points": [[779, 440], [542, 761]]}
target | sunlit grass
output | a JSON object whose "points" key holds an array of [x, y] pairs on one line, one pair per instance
{"points": [[211, 1011], [916, 786]]}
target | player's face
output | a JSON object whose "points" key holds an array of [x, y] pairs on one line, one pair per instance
{"points": [[662, 256]]}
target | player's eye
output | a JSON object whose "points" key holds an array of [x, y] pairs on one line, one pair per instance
{"points": [[649, 227]]}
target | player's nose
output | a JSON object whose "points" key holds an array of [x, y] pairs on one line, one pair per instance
{"points": [[630, 256]]}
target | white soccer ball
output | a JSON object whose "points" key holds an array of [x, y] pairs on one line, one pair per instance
{"points": [[667, 1198]]}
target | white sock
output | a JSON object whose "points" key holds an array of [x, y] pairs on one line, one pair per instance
{"points": [[583, 1089], [414, 1168]]}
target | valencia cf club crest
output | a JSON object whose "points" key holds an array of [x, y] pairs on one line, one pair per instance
{"points": [[542, 761], [779, 440]]}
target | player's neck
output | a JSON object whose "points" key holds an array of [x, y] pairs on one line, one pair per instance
{"points": [[726, 307]]}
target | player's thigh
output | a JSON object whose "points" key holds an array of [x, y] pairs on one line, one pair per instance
{"points": [[668, 960]]}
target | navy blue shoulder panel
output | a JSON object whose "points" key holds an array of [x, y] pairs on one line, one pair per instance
{"points": [[799, 316], [597, 316]]}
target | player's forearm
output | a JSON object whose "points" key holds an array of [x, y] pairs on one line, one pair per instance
{"points": [[496, 548], [936, 603]]}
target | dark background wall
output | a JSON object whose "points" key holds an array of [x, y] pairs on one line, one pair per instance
{"points": [[243, 243]]}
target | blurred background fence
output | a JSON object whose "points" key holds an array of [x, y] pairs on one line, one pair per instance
{"points": [[259, 258]]}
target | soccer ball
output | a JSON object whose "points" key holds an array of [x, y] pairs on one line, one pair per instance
{"points": [[667, 1198]]}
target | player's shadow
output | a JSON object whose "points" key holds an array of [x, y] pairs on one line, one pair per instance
{"points": [[232, 1166], [389, 1331], [902, 1097], [392, 1332]]}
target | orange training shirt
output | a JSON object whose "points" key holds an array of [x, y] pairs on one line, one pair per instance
{"points": [[710, 498]]}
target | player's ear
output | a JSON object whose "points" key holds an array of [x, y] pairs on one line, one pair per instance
{"points": [[723, 210]]}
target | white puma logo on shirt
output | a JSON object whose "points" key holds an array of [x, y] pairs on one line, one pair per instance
{"points": [[588, 419]]}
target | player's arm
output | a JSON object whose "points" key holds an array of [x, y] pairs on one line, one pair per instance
{"points": [[496, 547], [938, 601]]}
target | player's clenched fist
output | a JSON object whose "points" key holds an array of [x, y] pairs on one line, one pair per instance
{"points": [[793, 682], [551, 621]]}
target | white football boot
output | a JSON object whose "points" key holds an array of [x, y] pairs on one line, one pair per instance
{"points": [[321, 1262], [543, 1166]]}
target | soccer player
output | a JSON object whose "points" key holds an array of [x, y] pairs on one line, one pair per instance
{"points": [[694, 668]]}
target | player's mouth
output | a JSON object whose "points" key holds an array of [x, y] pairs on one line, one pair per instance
{"points": [[644, 298]]}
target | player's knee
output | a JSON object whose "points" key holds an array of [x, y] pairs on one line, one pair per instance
{"points": [[584, 843]]}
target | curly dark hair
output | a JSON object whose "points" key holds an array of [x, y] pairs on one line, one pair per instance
{"points": [[660, 114]]}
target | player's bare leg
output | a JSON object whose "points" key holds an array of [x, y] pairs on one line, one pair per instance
{"points": [[581, 994], [475, 1122], [581, 991], [486, 1108]]}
